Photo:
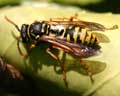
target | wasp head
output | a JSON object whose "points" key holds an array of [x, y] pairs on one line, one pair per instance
{"points": [[24, 33]]}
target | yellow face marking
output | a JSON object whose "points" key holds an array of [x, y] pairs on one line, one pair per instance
{"points": [[42, 30], [68, 37], [75, 35], [82, 36]]}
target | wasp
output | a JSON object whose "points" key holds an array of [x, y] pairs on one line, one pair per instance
{"points": [[71, 35]]}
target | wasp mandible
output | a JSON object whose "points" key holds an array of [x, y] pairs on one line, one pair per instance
{"points": [[71, 35]]}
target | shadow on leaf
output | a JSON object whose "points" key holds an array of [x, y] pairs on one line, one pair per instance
{"points": [[37, 60]]}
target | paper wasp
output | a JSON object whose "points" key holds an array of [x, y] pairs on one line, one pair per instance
{"points": [[71, 35]]}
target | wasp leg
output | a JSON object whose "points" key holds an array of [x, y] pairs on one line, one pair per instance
{"points": [[86, 67], [18, 45], [72, 18], [29, 49], [48, 50]]}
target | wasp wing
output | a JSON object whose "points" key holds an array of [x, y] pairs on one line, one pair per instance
{"points": [[80, 51], [92, 26], [58, 43], [101, 37]]}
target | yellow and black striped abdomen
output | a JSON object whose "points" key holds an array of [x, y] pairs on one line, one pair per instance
{"points": [[73, 33], [88, 37], [78, 35]]}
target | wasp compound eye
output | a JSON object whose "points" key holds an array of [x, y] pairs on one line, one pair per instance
{"points": [[24, 34]]}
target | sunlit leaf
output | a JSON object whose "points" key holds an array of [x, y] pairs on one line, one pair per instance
{"points": [[40, 65]]}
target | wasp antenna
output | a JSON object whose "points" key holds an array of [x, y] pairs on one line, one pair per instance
{"points": [[10, 21], [113, 27]]}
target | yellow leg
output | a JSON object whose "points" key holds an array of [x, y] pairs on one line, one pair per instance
{"points": [[29, 49], [48, 50], [20, 51], [86, 67], [74, 17]]}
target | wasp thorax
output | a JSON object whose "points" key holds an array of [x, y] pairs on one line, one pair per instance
{"points": [[35, 29]]}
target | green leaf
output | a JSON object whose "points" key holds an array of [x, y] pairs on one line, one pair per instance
{"points": [[40, 65], [78, 2], [9, 2]]}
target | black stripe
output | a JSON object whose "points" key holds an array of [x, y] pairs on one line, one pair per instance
{"points": [[49, 29], [95, 41], [79, 34], [86, 34], [61, 32], [91, 38], [70, 32], [45, 28], [78, 37]]}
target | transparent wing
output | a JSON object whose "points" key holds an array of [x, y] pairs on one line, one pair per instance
{"points": [[92, 26], [70, 48], [101, 37]]}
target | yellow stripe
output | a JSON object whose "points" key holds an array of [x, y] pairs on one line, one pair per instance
{"points": [[75, 35], [88, 37], [48, 26], [68, 37], [42, 30], [51, 34], [93, 39], [82, 36]]}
